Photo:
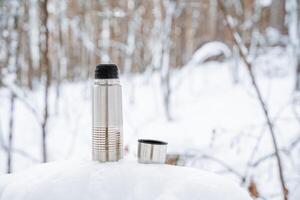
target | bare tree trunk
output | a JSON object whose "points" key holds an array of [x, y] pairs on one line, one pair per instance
{"points": [[277, 10], [18, 68], [170, 8], [106, 33], [133, 23], [10, 134], [213, 16], [298, 49], [13, 53], [242, 52], [167, 94], [30, 74], [236, 62], [297, 87], [60, 63], [297, 46], [47, 68]]}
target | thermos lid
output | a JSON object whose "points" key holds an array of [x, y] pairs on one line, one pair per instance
{"points": [[106, 71], [152, 151]]}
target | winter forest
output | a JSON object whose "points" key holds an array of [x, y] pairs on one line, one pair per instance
{"points": [[219, 80]]}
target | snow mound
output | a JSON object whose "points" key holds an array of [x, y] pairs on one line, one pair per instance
{"points": [[208, 50], [87, 180]]}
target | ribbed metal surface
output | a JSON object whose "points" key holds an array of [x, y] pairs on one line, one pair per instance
{"points": [[107, 136], [107, 143]]}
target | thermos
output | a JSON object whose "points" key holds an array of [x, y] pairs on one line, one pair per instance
{"points": [[107, 136]]}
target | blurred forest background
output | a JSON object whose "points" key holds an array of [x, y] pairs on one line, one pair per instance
{"points": [[219, 80]]}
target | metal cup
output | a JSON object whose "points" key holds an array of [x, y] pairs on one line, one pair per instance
{"points": [[152, 151]]}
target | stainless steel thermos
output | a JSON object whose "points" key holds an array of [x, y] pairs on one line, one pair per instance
{"points": [[107, 136]]}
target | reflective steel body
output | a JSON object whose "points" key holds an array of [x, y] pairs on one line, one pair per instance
{"points": [[107, 134], [152, 151]]}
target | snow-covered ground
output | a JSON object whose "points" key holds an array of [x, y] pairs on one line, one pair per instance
{"points": [[213, 120], [87, 180]]}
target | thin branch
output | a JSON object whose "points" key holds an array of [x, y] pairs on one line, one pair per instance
{"points": [[262, 159], [243, 51], [22, 99], [295, 111], [22, 153], [15, 150], [294, 143], [198, 156], [18, 151], [287, 151], [259, 139], [223, 164]]}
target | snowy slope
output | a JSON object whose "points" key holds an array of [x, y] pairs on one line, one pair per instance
{"points": [[211, 116], [86, 180]]}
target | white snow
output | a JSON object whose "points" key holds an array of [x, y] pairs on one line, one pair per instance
{"points": [[211, 116], [265, 3], [273, 35], [4, 180], [207, 50], [88, 180]]}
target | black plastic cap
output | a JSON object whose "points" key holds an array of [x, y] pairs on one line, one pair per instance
{"points": [[154, 142], [106, 71]]}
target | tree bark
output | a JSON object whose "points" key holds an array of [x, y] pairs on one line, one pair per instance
{"points": [[10, 134], [45, 62], [297, 53], [30, 71], [14, 52]]}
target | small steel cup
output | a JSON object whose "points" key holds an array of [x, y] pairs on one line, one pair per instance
{"points": [[152, 151]]}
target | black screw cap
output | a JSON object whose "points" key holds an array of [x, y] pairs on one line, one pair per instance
{"points": [[106, 71]]}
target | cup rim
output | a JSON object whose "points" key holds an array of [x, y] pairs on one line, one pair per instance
{"points": [[152, 142]]}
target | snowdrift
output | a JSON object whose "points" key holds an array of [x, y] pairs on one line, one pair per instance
{"points": [[87, 180]]}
